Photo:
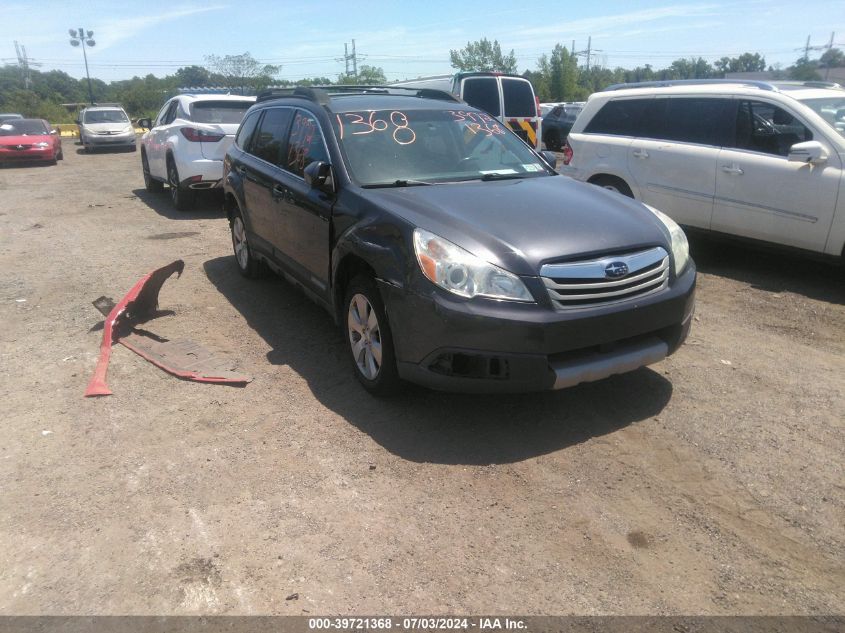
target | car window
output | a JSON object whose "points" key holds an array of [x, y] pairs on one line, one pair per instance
{"points": [[694, 120], [432, 146], [305, 144], [519, 98], [218, 111], [23, 127], [246, 130], [483, 93], [764, 127], [105, 116], [619, 117], [170, 115], [162, 113], [832, 110], [268, 141], [556, 112]]}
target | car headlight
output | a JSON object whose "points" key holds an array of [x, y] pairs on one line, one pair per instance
{"points": [[680, 245], [41, 144], [459, 271], [128, 129]]}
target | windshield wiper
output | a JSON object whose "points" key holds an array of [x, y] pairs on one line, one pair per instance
{"points": [[397, 183], [495, 176]]}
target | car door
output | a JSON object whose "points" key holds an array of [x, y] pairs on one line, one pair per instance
{"points": [[307, 211], [674, 165], [261, 172], [762, 195], [157, 149]]}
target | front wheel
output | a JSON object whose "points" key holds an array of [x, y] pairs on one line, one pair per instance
{"points": [[150, 184], [369, 338], [181, 198]]}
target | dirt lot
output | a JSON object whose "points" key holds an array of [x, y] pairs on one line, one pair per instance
{"points": [[711, 483]]}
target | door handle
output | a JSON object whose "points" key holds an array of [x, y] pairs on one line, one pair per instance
{"points": [[279, 192], [732, 169], [640, 153]]}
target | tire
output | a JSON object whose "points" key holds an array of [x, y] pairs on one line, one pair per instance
{"points": [[368, 338], [612, 183], [133, 148], [248, 265], [60, 155], [553, 141], [150, 184], [182, 199]]}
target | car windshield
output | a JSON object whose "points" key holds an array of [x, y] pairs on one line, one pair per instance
{"points": [[831, 110], [219, 111], [105, 116], [412, 147], [23, 127]]}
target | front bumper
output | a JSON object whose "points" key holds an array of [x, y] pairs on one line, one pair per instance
{"points": [[109, 140], [486, 346], [33, 153]]}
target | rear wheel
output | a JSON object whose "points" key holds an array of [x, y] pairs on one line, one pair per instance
{"points": [[612, 183], [181, 198], [369, 338], [60, 155], [150, 183], [248, 265]]}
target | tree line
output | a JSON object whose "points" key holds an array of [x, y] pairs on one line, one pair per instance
{"points": [[558, 76]]}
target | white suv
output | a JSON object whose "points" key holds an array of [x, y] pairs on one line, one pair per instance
{"points": [[761, 160], [187, 142]]}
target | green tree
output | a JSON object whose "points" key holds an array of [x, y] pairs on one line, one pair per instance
{"points": [[243, 72], [563, 75], [193, 77], [832, 58], [367, 76], [745, 63], [483, 55], [805, 70]]}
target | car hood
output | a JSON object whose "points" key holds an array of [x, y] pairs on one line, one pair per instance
{"points": [[522, 224], [25, 139]]}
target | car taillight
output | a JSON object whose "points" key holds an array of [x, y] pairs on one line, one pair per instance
{"points": [[200, 136], [567, 153]]}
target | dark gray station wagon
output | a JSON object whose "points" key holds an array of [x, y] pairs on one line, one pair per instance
{"points": [[450, 253]]}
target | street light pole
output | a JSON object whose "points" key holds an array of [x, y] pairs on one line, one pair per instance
{"points": [[81, 38]]}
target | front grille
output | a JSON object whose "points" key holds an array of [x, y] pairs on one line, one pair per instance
{"points": [[587, 282]]}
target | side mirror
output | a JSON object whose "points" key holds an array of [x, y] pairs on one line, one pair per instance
{"points": [[318, 174], [145, 123], [54, 132], [79, 121], [807, 152], [550, 158]]}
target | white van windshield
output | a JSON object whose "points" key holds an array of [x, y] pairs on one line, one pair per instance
{"points": [[832, 110]]}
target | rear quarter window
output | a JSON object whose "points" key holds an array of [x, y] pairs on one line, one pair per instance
{"points": [[482, 93], [519, 98], [618, 117]]}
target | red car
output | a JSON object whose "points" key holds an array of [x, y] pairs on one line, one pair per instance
{"points": [[29, 139]]}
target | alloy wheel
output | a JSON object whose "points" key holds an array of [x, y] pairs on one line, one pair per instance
{"points": [[364, 336]]}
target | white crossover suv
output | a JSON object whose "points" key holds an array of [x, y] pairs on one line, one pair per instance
{"points": [[187, 141], [759, 160]]}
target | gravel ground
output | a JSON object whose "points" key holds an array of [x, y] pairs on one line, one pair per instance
{"points": [[710, 483]]}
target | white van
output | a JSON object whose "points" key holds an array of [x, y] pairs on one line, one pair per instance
{"points": [[509, 98], [759, 160]]}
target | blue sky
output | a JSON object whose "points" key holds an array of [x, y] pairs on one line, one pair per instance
{"points": [[406, 40]]}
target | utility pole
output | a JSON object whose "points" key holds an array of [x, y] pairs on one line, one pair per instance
{"points": [[23, 64], [588, 52], [83, 38], [347, 57]]}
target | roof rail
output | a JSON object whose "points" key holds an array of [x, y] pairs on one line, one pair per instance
{"points": [[810, 84], [321, 94], [762, 85]]}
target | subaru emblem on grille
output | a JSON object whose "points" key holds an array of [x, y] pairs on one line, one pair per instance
{"points": [[614, 270]]}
